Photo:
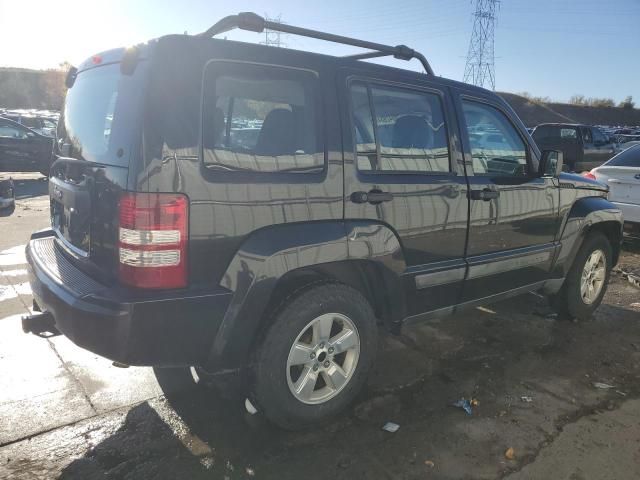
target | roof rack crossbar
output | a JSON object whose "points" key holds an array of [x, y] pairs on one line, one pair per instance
{"points": [[255, 23]]}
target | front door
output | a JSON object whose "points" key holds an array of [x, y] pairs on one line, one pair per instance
{"points": [[402, 170], [513, 211]]}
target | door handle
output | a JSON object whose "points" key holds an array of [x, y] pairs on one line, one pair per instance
{"points": [[485, 194], [373, 196]]}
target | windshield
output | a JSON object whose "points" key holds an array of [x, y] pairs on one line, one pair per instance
{"points": [[101, 111]]}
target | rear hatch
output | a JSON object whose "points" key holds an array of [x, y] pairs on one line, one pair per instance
{"points": [[98, 138], [624, 183]]}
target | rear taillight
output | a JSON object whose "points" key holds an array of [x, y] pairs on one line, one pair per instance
{"points": [[153, 240], [589, 175]]}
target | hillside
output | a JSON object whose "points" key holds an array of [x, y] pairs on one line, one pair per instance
{"points": [[25, 88], [533, 113]]}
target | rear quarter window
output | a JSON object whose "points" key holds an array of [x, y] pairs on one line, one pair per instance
{"points": [[261, 119], [627, 158]]}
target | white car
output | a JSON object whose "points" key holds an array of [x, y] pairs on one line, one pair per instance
{"points": [[622, 174]]}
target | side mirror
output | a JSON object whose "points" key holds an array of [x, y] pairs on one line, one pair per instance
{"points": [[551, 163]]}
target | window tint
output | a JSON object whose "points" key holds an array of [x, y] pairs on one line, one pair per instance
{"points": [[408, 130], [586, 135], [598, 136], [260, 119], [496, 147], [627, 158], [30, 122], [555, 133], [11, 131]]}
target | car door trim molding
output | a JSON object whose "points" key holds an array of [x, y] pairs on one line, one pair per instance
{"points": [[441, 277], [499, 262]]}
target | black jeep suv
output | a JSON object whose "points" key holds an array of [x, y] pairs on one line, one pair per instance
{"points": [[244, 208]]}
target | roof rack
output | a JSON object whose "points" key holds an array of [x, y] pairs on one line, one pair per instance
{"points": [[255, 23]]}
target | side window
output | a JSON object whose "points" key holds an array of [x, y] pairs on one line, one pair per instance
{"points": [[399, 130], [598, 137], [586, 135], [11, 131], [569, 133], [496, 147], [260, 119]]}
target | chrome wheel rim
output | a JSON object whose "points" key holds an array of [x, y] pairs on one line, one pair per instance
{"points": [[593, 276], [323, 358]]}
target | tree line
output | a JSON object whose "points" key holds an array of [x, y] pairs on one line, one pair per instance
{"points": [[26, 88]]}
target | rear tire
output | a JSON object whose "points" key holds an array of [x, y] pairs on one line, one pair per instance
{"points": [[587, 280], [315, 356]]}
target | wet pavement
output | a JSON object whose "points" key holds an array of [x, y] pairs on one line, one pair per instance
{"points": [[66, 413]]}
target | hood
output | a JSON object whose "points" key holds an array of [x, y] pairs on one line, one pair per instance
{"points": [[578, 181]]}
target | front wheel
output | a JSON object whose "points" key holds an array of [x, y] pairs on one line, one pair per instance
{"points": [[587, 280], [315, 357]]}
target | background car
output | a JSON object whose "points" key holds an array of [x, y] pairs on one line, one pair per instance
{"points": [[43, 125], [23, 150], [622, 174], [7, 192]]}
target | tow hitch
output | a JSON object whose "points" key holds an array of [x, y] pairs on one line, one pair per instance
{"points": [[41, 324]]}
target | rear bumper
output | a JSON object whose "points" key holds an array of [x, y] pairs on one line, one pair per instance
{"points": [[135, 328]]}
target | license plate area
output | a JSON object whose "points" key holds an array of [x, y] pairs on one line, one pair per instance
{"points": [[71, 214]]}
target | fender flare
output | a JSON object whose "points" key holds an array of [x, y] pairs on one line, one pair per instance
{"points": [[270, 253], [583, 215]]}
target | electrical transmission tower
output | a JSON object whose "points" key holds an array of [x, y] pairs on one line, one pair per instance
{"points": [[272, 38], [480, 68]]}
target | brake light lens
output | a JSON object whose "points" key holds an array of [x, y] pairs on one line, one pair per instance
{"points": [[153, 240], [589, 175]]}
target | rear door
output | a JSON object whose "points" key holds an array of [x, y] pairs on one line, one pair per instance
{"points": [[402, 170], [513, 211]]}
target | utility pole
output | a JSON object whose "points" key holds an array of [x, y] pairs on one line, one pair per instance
{"points": [[480, 67], [271, 37]]}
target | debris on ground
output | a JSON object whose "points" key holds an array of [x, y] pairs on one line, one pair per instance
{"points": [[391, 427], [602, 386], [526, 399], [429, 463], [632, 278], [510, 453], [465, 404]]}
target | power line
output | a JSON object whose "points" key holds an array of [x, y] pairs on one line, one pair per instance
{"points": [[480, 67], [273, 38]]}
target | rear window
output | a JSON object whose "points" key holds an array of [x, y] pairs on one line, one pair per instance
{"points": [[100, 114], [261, 119], [627, 158], [555, 133]]}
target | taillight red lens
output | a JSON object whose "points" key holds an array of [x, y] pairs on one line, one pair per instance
{"points": [[589, 175], [153, 240]]}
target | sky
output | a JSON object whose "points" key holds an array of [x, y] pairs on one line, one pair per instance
{"points": [[549, 48]]}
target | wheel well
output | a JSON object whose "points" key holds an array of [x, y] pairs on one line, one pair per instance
{"points": [[612, 231], [368, 277]]}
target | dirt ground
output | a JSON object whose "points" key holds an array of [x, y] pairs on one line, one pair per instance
{"points": [[65, 413]]}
